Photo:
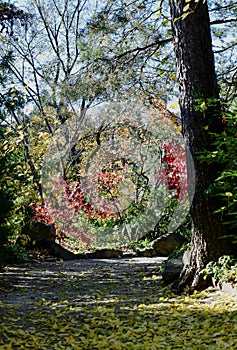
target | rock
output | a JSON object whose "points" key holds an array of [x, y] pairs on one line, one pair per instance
{"points": [[36, 231], [128, 255], [105, 254], [168, 243], [57, 250], [172, 270], [81, 256], [39, 230], [148, 253], [43, 231]]}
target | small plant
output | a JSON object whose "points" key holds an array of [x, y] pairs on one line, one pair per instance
{"points": [[178, 254], [13, 253], [224, 270], [142, 244]]}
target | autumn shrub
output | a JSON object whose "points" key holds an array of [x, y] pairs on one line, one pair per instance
{"points": [[17, 191], [173, 173], [73, 199], [94, 201], [5, 205], [5, 230], [9, 251], [15, 175]]}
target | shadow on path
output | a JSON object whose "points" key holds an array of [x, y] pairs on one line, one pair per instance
{"points": [[111, 304]]}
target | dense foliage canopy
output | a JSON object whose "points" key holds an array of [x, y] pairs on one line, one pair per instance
{"points": [[65, 59]]}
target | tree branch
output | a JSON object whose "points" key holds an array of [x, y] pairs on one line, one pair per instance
{"points": [[224, 20], [136, 50]]}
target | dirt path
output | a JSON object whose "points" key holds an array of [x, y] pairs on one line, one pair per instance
{"points": [[29, 283], [108, 304]]}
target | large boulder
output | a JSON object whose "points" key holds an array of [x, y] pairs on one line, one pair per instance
{"points": [[146, 252], [57, 250], [34, 232], [168, 243], [42, 230], [171, 270]]}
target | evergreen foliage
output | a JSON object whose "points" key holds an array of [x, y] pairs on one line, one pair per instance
{"points": [[225, 186]]}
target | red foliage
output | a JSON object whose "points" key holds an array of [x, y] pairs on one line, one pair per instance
{"points": [[174, 171], [73, 200], [108, 180], [91, 199]]}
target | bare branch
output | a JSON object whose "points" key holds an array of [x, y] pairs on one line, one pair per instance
{"points": [[224, 20], [226, 48], [137, 49]]}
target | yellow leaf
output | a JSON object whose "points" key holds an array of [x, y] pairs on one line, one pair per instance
{"points": [[36, 118], [154, 277], [229, 194], [179, 128], [203, 105], [55, 326], [186, 8], [8, 131], [174, 105]]}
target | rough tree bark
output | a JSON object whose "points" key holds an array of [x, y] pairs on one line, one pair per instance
{"points": [[197, 80]]}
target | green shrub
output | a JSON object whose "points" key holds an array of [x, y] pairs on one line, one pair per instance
{"points": [[224, 270], [12, 253], [225, 185]]}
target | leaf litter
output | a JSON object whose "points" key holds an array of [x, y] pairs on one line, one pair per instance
{"points": [[109, 304]]}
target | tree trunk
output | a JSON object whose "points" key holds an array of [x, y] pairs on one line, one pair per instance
{"points": [[197, 85]]}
